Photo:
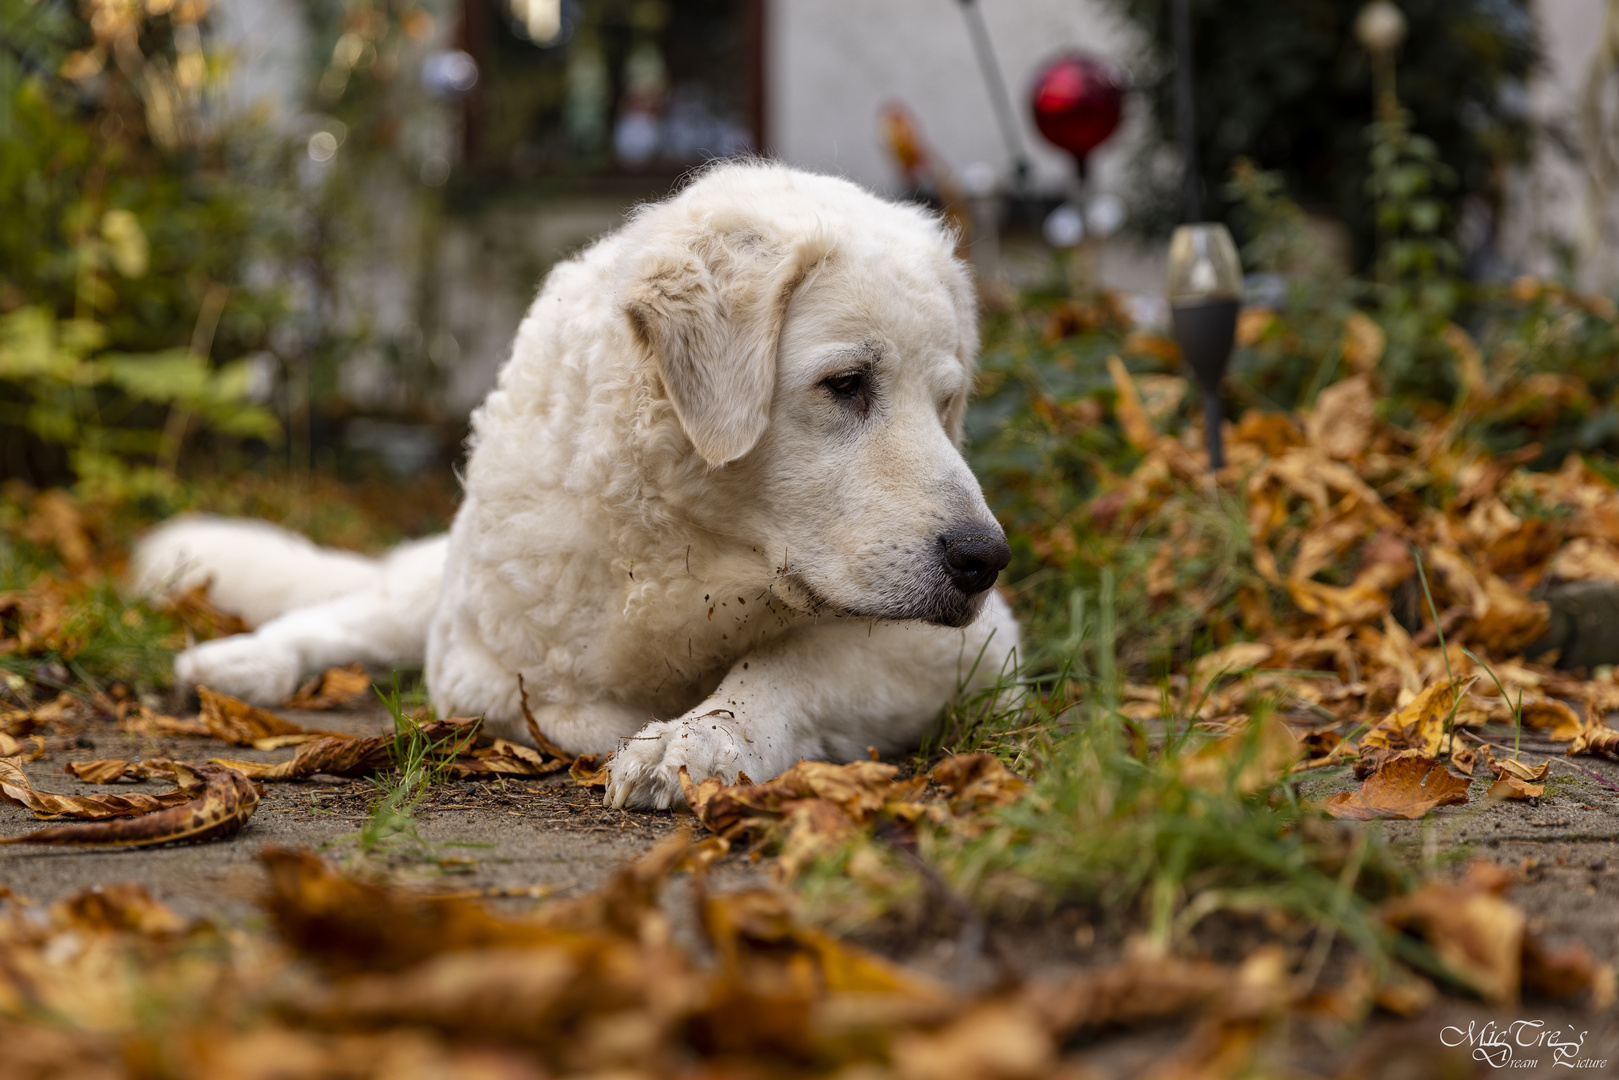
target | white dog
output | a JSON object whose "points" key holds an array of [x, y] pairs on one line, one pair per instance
{"points": [[718, 485]]}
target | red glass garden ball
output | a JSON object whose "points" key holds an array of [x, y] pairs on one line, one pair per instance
{"points": [[1077, 101]]}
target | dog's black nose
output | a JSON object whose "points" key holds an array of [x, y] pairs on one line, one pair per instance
{"points": [[974, 556]]}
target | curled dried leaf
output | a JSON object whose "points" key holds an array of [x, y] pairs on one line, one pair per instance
{"points": [[332, 689], [228, 799], [590, 770], [508, 759], [16, 788], [348, 756], [1596, 739], [1515, 787], [236, 721], [112, 770], [1514, 767]]}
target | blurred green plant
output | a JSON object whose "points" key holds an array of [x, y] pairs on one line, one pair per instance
{"points": [[133, 216], [91, 401], [1418, 284], [1285, 363]]}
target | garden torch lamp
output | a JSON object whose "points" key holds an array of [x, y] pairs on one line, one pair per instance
{"points": [[1205, 291]]}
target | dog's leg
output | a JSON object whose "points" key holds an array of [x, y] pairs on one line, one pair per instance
{"points": [[830, 692], [381, 626]]}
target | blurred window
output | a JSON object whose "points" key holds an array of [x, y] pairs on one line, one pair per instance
{"points": [[593, 90]]}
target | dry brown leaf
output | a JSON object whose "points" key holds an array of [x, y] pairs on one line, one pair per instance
{"points": [[1560, 722], [994, 1040], [1321, 749], [31, 750], [976, 781], [1596, 739], [1509, 621], [1132, 416], [112, 770], [44, 619], [124, 906], [1404, 992], [1403, 788], [197, 614], [757, 926], [1514, 787], [237, 722], [590, 770], [815, 806], [1474, 932], [1253, 322], [228, 799], [1517, 768], [1148, 985], [16, 788], [1420, 725], [1469, 362], [859, 789], [143, 721], [508, 759], [345, 924], [1337, 605], [348, 756], [54, 521], [1239, 656], [332, 689], [1363, 344], [1343, 419], [1585, 559], [1245, 760]]}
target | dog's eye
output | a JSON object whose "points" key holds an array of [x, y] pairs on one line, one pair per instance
{"points": [[848, 387]]}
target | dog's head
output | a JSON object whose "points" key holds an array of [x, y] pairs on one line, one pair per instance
{"points": [[817, 345]]}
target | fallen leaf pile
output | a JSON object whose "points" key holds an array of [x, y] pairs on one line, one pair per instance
{"points": [[814, 807], [214, 800], [1339, 509], [366, 980]]}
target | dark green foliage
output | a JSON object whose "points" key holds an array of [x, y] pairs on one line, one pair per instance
{"points": [[1287, 85]]}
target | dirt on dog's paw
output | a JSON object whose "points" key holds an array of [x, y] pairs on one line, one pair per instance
{"points": [[644, 772]]}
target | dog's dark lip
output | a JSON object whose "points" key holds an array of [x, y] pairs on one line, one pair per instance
{"points": [[959, 610]]}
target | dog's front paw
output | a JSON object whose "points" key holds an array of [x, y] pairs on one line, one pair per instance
{"points": [[242, 666], [644, 772]]}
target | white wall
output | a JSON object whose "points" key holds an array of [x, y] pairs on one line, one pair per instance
{"points": [[832, 64], [1557, 208]]}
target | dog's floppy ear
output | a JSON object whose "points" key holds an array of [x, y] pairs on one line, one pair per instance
{"points": [[709, 308]]}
